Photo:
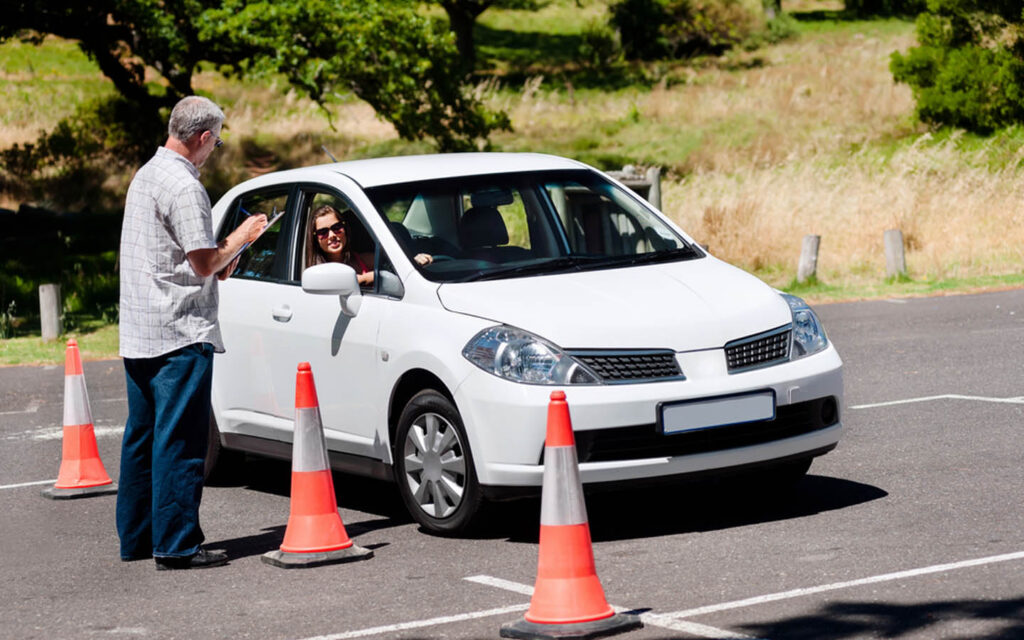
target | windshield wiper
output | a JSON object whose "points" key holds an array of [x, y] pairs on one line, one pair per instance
{"points": [[667, 255], [554, 265]]}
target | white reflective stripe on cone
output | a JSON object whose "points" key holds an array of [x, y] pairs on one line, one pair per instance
{"points": [[309, 453], [76, 401], [561, 500]]}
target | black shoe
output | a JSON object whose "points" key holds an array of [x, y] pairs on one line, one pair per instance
{"points": [[202, 560]]}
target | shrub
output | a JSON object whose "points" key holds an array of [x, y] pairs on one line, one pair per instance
{"points": [[651, 29], [599, 48], [640, 24], [968, 70]]}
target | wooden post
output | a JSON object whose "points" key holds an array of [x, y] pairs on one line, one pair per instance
{"points": [[808, 266], [895, 259], [49, 311], [654, 195]]}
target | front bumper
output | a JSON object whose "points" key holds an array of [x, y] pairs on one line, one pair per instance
{"points": [[615, 425]]}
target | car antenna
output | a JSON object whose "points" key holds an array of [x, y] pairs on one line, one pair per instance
{"points": [[329, 154]]}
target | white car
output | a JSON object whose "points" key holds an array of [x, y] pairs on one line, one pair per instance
{"points": [[546, 274]]}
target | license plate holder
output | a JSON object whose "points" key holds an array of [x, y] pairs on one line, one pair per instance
{"points": [[711, 413]]}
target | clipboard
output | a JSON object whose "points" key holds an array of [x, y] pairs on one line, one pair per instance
{"points": [[274, 217]]}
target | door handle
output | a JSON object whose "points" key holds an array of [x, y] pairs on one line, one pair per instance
{"points": [[282, 313]]}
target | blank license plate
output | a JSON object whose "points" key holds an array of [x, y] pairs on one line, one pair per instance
{"points": [[691, 415]]}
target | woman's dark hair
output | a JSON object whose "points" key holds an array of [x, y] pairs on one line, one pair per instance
{"points": [[314, 254]]}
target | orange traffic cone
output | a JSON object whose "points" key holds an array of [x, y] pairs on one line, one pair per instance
{"points": [[568, 601], [315, 534], [81, 470]]}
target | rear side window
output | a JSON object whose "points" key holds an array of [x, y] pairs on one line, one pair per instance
{"points": [[268, 257]]}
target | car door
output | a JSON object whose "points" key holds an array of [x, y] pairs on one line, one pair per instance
{"points": [[270, 325]]}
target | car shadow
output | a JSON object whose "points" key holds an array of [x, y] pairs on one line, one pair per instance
{"points": [[636, 512], [1003, 619], [352, 492], [693, 506]]}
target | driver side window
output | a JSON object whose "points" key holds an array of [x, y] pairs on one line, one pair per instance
{"points": [[334, 232]]}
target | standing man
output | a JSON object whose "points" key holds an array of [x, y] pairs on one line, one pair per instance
{"points": [[169, 333]]}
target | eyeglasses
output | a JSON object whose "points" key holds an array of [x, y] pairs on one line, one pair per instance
{"points": [[217, 145], [335, 228]]}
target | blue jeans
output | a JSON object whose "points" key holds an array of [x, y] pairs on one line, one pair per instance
{"points": [[163, 453]]}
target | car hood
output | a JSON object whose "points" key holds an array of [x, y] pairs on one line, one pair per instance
{"points": [[684, 306]]}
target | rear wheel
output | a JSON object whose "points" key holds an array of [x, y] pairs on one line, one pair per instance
{"points": [[221, 465], [433, 465]]}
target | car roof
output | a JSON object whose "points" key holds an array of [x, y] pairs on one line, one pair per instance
{"points": [[375, 172]]}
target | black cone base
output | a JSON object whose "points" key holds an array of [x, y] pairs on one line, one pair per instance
{"points": [[54, 493], [618, 623], [288, 560]]}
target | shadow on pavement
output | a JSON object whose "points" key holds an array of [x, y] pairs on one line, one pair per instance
{"points": [[841, 620], [661, 509], [685, 507]]}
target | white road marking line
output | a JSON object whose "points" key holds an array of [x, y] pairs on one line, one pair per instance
{"points": [[33, 407], [945, 396], [26, 484], [895, 301], [419, 624], [507, 585], [692, 628], [42, 434], [797, 593], [652, 619]]}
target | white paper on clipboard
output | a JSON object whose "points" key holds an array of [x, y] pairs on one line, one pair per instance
{"points": [[274, 217]]}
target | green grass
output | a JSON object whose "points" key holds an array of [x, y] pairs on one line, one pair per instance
{"points": [[818, 292], [96, 341], [55, 77]]}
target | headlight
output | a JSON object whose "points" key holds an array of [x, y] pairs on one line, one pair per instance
{"points": [[520, 356], [808, 336]]}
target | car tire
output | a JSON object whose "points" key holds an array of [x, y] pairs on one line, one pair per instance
{"points": [[434, 467], [222, 465]]}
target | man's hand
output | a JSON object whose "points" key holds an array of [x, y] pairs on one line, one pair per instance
{"points": [[207, 262], [253, 226]]}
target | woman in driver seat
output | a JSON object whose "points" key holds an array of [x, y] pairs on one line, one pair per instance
{"points": [[330, 242]]}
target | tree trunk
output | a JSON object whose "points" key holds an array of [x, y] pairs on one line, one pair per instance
{"points": [[462, 15]]}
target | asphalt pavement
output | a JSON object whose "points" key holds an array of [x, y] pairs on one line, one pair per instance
{"points": [[912, 528]]}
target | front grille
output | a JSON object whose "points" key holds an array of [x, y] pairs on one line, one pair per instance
{"points": [[645, 441], [758, 351], [631, 366]]}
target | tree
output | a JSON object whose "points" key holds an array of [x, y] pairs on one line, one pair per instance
{"points": [[462, 17], [968, 70], [381, 50]]}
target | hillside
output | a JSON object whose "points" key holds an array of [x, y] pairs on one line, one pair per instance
{"points": [[759, 147]]}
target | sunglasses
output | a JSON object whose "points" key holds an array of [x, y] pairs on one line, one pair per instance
{"points": [[336, 228]]}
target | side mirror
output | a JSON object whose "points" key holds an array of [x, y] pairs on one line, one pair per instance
{"points": [[334, 279]]}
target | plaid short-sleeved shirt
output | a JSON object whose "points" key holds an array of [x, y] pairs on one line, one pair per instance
{"points": [[164, 304]]}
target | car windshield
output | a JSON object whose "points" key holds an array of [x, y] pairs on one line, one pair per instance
{"points": [[517, 224]]}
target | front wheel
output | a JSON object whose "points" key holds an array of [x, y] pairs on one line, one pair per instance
{"points": [[222, 465], [433, 465]]}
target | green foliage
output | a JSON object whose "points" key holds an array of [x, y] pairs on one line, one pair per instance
{"points": [[399, 62], [968, 70], [381, 50], [599, 48], [653, 29], [66, 167], [640, 24]]}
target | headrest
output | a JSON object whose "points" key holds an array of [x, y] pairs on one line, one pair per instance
{"points": [[402, 235], [482, 227]]}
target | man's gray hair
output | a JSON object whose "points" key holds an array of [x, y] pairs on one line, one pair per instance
{"points": [[192, 116]]}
